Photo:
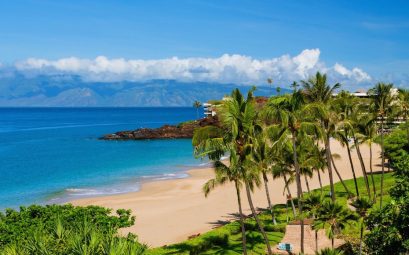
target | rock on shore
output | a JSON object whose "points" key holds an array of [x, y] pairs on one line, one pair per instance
{"points": [[183, 130]]}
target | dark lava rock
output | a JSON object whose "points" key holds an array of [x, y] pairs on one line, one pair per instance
{"points": [[183, 130]]}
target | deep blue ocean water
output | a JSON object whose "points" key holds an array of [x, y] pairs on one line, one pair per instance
{"points": [[51, 155]]}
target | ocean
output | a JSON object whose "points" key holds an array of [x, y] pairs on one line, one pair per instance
{"points": [[53, 155]]}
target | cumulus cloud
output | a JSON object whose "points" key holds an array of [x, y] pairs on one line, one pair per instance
{"points": [[225, 69]]}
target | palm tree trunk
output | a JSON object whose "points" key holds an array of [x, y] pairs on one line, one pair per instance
{"points": [[361, 160], [306, 183], [243, 230], [289, 193], [260, 226], [339, 176], [328, 156], [319, 179], [270, 206], [383, 161], [299, 188], [316, 240], [370, 168], [352, 168]]}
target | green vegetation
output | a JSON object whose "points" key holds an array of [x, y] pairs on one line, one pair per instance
{"points": [[288, 138], [226, 239], [65, 229], [389, 226]]}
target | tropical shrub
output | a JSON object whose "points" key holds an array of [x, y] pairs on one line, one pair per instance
{"points": [[66, 229], [389, 227]]}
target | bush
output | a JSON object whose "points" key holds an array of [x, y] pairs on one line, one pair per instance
{"points": [[275, 228], [389, 227], [66, 229]]}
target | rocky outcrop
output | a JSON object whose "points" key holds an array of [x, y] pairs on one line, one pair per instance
{"points": [[183, 130]]}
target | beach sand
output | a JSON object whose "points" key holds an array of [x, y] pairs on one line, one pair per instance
{"points": [[171, 210]]}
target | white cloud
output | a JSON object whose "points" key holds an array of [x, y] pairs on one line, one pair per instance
{"points": [[225, 69], [355, 74]]}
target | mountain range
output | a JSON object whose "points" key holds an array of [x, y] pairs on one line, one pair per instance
{"points": [[63, 90]]}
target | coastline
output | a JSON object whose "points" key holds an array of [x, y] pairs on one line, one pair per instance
{"points": [[168, 211]]}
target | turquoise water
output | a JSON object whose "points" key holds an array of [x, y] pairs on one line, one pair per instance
{"points": [[52, 155]]}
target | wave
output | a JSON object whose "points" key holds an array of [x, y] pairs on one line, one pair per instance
{"points": [[74, 193]]}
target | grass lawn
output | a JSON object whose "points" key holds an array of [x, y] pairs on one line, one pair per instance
{"points": [[227, 238]]}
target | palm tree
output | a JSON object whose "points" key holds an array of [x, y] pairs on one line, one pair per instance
{"points": [[270, 82], [382, 99], [313, 204], [278, 90], [404, 107], [288, 112], [283, 167], [359, 121], [230, 173], [261, 157], [333, 217], [344, 105], [318, 92], [362, 205], [240, 118], [368, 129], [197, 105]]}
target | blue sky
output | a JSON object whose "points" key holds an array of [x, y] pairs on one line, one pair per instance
{"points": [[370, 35]]}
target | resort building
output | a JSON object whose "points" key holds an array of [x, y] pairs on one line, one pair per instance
{"points": [[209, 109]]}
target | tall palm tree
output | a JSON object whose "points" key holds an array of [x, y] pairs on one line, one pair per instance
{"points": [[239, 116], [362, 205], [344, 106], [382, 99], [333, 217], [317, 91], [262, 161], [283, 167], [230, 173], [239, 120], [288, 112], [197, 105], [359, 121], [368, 129]]}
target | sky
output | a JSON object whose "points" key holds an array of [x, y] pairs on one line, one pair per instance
{"points": [[240, 41]]}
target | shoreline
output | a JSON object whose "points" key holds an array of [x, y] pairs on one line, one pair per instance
{"points": [[169, 211]]}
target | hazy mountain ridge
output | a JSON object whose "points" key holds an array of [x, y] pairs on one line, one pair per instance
{"points": [[70, 91]]}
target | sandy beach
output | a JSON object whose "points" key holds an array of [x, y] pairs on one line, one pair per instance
{"points": [[169, 211]]}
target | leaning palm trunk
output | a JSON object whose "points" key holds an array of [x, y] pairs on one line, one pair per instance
{"points": [[339, 176], [328, 157], [270, 206], [352, 168], [306, 183], [299, 188], [370, 167], [260, 226], [289, 193], [319, 179], [243, 230], [361, 160], [383, 161]]}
